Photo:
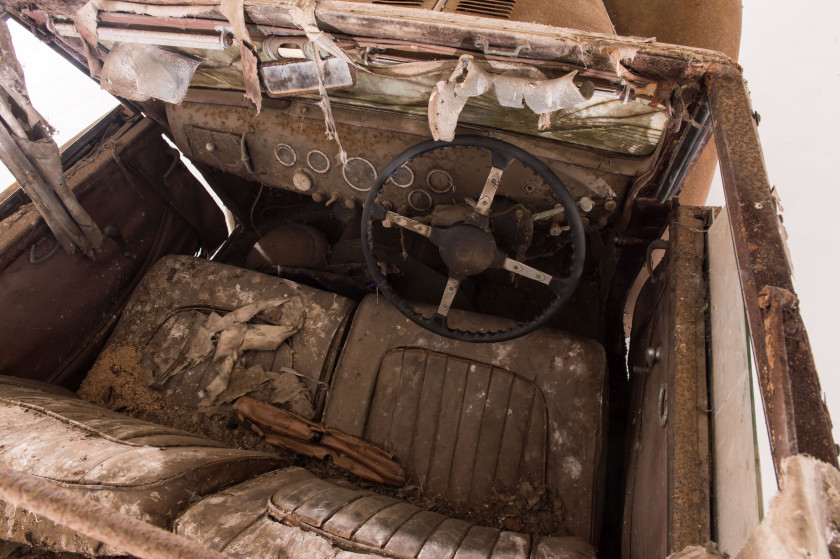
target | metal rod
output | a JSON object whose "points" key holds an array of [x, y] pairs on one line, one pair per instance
{"points": [[120, 531], [219, 41]]}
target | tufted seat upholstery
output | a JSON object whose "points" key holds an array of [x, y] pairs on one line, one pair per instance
{"points": [[141, 469], [292, 513]]}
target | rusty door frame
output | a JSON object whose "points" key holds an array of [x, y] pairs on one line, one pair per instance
{"points": [[797, 417]]}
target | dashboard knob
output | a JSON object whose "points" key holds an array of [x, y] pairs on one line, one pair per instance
{"points": [[302, 180]]}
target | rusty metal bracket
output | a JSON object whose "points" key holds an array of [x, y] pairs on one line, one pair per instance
{"points": [[774, 301], [798, 420]]}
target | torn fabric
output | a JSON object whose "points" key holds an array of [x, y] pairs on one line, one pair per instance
{"points": [[803, 520], [303, 16], [210, 352], [284, 389], [141, 72], [234, 11], [543, 96]]}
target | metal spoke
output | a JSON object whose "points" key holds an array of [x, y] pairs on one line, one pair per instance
{"points": [[407, 223], [449, 293], [524, 270], [485, 200]]}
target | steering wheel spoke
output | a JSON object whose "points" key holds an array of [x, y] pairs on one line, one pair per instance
{"points": [[488, 193], [524, 270], [388, 217], [449, 293]]}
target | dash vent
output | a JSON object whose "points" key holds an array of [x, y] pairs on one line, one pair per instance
{"points": [[487, 8]]}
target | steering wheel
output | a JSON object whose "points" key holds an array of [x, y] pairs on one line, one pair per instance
{"points": [[469, 248]]}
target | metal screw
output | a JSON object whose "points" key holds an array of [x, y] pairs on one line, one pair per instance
{"points": [[445, 306], [516, 267], [538, 276], [450, 288], [493, 181], [398, 220], [420, 228]]}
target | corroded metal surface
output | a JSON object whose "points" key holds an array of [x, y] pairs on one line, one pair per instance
{"points": [[761, 255]]}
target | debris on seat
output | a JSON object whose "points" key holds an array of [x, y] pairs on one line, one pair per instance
{"points": [[215, 347], [284, 388], [284, 428]]}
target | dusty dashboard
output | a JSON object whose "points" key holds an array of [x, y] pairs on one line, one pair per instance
{"points": [[285, 147]]}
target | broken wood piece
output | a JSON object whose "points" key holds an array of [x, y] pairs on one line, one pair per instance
{"points": [[289, 429]]}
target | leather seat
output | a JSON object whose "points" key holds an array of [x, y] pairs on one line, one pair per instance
{"points": [[179, 292], [138, 468], [292, 513], [471, 421]]}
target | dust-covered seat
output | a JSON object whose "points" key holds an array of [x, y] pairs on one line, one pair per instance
{"points": [[291, 327], [471, 421], [292, 513], [134, 467]]}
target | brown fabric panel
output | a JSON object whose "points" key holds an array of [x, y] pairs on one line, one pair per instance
{"points": [[444, 449], [469, 428], [512, 545], [320, 508], [428, 415], [378, 428], [534, 458], [512, 445], [411, 536], [217, 520], [444, 541], [377, 531], [405, 410], [478, 543], [346, 521], [496, 406]]}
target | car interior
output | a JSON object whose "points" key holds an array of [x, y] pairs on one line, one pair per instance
{"points": [[471, 306]]}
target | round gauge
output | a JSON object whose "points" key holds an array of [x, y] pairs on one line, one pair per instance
{"points": [[359, 173], [285, 154], [402, 177], [439, 181], [420, 200], [318, 161]]}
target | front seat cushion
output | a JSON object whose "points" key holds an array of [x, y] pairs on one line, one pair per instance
{"points": [[137, 468]]}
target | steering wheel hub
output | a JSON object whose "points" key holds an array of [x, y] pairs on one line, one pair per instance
{"points": [[467, 250]]}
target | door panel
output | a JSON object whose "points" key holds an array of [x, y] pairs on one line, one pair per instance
{"points": [[58, 309]]}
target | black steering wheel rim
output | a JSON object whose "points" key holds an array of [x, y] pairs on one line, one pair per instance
{"points": [[503, 153]]}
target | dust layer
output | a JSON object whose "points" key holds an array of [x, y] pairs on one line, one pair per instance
{"points": [[116, 382]]}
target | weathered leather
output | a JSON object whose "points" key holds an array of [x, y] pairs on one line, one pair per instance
{"points": [[473, 420], [137, 468], [292, 513]]}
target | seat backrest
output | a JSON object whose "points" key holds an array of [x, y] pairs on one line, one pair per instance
{"points": [[472, 420]]}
